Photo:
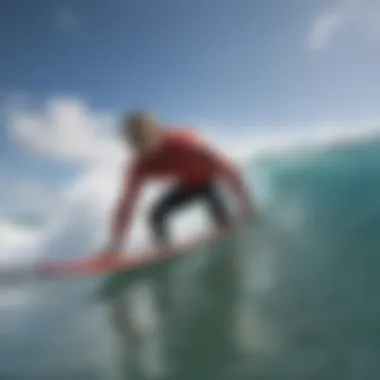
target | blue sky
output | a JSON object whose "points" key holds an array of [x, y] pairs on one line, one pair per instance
{"points": [[237, 65]]}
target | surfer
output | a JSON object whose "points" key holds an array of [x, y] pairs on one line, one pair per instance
{"points": [[177, 154], [181, 155]]}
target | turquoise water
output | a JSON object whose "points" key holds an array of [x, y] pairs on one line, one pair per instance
{"points": [[294, 296]]}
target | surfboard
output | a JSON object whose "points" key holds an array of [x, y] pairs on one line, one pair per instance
{"points": [[117, 271], [124, 263]]}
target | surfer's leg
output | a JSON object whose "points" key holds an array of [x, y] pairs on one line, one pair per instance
{"points": [[217, 206], [172, 201]]}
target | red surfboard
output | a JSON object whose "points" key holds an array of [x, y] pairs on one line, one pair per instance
{"points": [[102, 265]]}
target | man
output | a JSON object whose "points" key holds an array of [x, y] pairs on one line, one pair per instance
{"points": [[180, 155]]}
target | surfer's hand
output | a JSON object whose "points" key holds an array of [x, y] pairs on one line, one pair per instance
{"points": [[111, 251]]}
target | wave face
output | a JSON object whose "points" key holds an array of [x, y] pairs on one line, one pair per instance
{"points": [[292, 296]]}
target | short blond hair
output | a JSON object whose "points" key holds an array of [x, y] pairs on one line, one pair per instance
{"points": [[137, 120]]}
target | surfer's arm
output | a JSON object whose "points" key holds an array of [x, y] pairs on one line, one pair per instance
{"points": [[231, 174], [228, 172], [124, 209]]}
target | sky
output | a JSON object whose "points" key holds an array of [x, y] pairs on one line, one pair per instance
{"points": [[233, 68]]}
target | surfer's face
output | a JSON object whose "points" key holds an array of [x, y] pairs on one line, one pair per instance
{"points": [[145, 137]]}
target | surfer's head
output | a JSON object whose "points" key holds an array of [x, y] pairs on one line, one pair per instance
{"points": [[142, 131]]}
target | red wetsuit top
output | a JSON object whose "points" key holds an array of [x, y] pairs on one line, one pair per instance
{"points": [[184, 157]]}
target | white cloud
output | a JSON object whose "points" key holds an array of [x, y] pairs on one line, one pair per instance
{"points": [[16, 243], [21, 197], [65, 129], [362, 14], [19, 247], [326, 27]]}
